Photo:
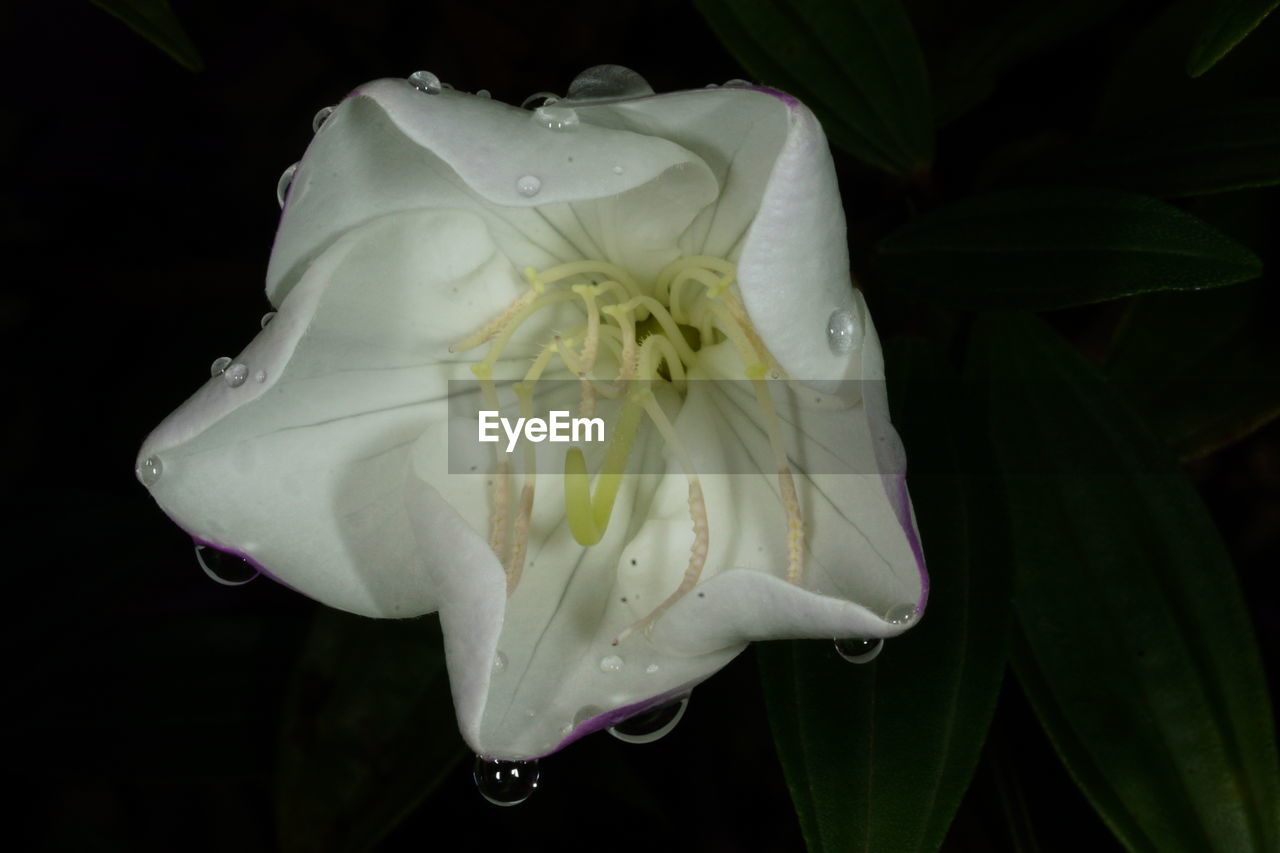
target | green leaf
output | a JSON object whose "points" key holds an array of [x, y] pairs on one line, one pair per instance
{"points": [[978, 54], [154, 21], [1048, 248], [855, 63], [878, 755], [1187, 151], [1203, 368], [368, 731], [1135, 647], [1229, 22]]}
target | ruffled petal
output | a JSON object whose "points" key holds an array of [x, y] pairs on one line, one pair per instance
{"points": [[389, 148]]}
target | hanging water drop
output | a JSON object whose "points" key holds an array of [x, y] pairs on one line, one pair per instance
{"points": [[220, 364], [236, 374], [528, 185], [426, 82], [900, 614], [608, 81], [651, 725], [843, 334], [859, 649], [320, 118], [149, 470], [556, 118], [737, 83], [539, 99], [266, 318], [226, 569], [505, 783], [611, 663], [286, 181]]}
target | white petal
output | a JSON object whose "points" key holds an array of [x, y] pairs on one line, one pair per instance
{"points": [[389, 147], [305, 472]]}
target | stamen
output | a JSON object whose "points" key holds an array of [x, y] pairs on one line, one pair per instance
{"points": [[697, 510]]}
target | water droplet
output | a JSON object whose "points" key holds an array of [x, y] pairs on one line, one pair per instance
{"points": [[266, 318], [539, 99], [859, 649], [651, 668], [651, 725], [900, 614], [483, 93], [586, 712], [556, 118], [320, 118], [219, 364], [236, 374], [226, 569], [843, 334], [149, 470], [608, 81], [528, 185], [282, 185], [737, 83], [611, 663], [712, 86], [260, 376], [425, 81], [499, 662], [618, 170], [505, 783]]}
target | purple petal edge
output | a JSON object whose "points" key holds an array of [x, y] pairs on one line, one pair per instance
{"points": [[618, 715]]}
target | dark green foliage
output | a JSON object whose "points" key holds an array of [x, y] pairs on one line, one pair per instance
{"points": [[878, 755]]}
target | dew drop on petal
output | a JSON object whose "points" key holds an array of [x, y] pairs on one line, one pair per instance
{"points": [[859, 649], [539, 99], [618, 170], [505, 783], [320, 118], [737, 83], [219, 364], [499, 662], [425, 81], [149, 470], [236, 374], [611, 663], [260, 376], [266, 318], [528, 185], [651, 668], [651, 725], [226, 569], [282, 185], [900, 614], [586, 712], [843, 334], [483, 93], [608, 81], [556, 118]]}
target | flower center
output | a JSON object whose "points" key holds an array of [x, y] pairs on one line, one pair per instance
{"points": [[649, 337]]}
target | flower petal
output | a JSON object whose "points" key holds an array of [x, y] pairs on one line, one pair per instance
{"points": [[389, 147], [304, 471]]}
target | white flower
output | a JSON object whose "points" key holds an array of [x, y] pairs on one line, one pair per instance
{"points": [[425, 237]]}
